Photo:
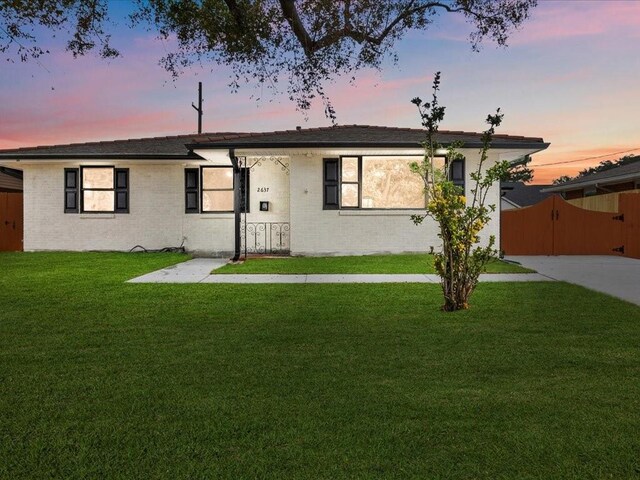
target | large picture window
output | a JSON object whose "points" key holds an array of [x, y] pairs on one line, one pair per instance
{"points": [[380, 182], [388, 182], [373, 182]]}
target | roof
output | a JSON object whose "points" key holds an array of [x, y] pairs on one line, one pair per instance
{"points": [[624, 173], [523, 195], [153, 147], [181, 146], [362, 136]]}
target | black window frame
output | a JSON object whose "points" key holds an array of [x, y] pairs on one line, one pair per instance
{"points": [[360, 182], [202, 189], [198, 190], [117, 189], [357, 182]]}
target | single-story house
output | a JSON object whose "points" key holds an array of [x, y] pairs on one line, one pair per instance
{"points": [[519, 195], [314, 191], [619, 179]]}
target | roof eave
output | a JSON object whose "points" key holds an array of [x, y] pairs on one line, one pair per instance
{"points": [[98, 156], [538, 146], [586, 183]]}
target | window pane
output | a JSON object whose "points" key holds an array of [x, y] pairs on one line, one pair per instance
{"points": [[217, 178], [98, 201], [390, 183], [349, 195], [217, 201], [349, 169], [97, 178]]}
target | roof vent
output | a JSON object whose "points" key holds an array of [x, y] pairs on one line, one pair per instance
{"points": [[298, 127]]}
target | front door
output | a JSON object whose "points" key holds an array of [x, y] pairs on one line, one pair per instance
{"points": [[264, 227]]}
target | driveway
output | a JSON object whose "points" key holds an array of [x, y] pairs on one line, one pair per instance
{"points": [[616, 276]]}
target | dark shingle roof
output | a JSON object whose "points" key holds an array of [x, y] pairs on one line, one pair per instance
{"points": [[361, 135], [180, 146], [618, 174], [172, 146], [523, 195]]}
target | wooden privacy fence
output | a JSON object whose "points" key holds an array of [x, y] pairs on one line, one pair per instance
{"points": [[607, 202], [555, 227], [11, 221]]}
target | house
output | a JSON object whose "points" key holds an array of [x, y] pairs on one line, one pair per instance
{"points": [[618, 179], [316, 191], [518, 195]]}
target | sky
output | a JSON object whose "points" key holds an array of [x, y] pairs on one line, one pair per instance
{"points": [[569, 75]]}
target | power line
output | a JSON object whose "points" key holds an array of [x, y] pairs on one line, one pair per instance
{"points": [[584, 159]]}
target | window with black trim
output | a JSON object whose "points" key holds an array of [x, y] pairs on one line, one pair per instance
{"points": [[211, 189], [217, 189], [96, 189], [372, 182]]}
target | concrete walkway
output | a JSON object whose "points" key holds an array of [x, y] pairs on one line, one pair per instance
{"points": [[616, 276], [199, 270]]}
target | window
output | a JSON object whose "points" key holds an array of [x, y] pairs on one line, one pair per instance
{"points": [[380, 182], [388, 182], [375, 182], [217, 189], [350, 189], [96, 190], [211, 189]]}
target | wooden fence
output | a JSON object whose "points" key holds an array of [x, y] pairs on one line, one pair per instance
{"points": [[607, 202], [555, 227], [11, 221]]}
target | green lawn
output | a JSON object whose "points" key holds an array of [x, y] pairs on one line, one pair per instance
{"points": [[102, 379], [404, 263]]}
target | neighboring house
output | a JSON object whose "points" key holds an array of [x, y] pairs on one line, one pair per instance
{"points": [[316, 191], [518, 195], [10, 180], [618, 179]]}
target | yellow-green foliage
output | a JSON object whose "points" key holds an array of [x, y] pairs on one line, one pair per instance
{"points": [[460, 219]]}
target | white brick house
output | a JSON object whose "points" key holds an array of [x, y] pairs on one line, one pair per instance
{"points": [[319, 191]]}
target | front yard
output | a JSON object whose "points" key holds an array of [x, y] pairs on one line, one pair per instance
{"points": [[103, 379]]}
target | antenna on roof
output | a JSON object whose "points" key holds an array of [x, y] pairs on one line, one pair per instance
{"points": [[199, 107]]}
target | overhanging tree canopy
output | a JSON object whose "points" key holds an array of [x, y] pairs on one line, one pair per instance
{"points": [[307, 42]]}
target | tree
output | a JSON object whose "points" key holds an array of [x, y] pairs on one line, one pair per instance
{"points": [[562, 179], [309, 42], [519, 171], [460, 222]]}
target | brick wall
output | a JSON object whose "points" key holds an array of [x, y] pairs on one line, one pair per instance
{"points": [[157, 218]]}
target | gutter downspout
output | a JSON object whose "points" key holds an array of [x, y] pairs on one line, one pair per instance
{"points": [[236, 203]]}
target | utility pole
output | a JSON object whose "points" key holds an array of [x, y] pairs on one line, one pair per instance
{"points": [[199, 107]]}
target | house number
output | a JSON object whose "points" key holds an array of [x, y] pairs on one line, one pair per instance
{"points": [[263, 189]]}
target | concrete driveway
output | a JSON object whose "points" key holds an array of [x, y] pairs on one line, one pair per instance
{"points": [[616, 276]]}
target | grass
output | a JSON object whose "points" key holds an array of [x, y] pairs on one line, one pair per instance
{"points": [[403, 263], [103, 379]]}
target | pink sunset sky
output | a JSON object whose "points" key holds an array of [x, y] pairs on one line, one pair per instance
{"points": [[570, 75]]}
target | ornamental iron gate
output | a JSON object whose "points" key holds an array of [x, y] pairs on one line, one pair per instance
{"points": [[270, 238]]}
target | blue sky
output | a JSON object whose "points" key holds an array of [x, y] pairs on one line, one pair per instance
{"points": [[570, 75]]}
